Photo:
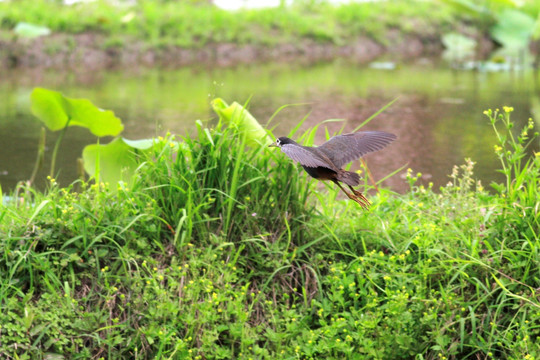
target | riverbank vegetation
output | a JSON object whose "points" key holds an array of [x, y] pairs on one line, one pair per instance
{"points": [[47, 33], [222, 249], [194, 24]]}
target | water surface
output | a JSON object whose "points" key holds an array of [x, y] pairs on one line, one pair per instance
{"points": [[437, 117]]}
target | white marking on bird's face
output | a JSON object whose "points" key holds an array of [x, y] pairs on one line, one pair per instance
{"points": [[278, 142]]}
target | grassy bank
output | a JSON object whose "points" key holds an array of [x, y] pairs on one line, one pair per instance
{"points": [[179, 23], [44, 33], [196, 23], [222, 250]]}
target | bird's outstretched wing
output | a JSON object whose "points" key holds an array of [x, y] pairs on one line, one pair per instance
{"points": [[304, 156], [343, 149]]}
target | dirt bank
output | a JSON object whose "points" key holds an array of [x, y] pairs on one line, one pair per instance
{"points": [[95, 51]]}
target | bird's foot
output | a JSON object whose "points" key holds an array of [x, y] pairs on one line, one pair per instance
{"points": [[358, 195], [359, 198]]}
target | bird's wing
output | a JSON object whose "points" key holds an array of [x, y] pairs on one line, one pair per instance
{"points": [[343, 149], [304, 156]]}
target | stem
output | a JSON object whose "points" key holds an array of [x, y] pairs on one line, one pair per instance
{"points": [[499, 138], [370, 176], [57, 146], [40, 156]]}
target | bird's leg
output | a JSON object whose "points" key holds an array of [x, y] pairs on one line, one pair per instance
{"points": [[360, 200], [360, 195]]}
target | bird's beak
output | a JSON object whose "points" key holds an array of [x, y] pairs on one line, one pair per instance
{"points": [[273, 145]]}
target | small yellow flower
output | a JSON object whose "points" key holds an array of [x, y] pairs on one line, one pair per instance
{"points": [[508, 109]]}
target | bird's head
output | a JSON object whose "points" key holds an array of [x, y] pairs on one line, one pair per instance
{"points": [[282, 141]]}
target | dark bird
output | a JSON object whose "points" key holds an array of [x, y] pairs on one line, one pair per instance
{"points": [[325, 162]]}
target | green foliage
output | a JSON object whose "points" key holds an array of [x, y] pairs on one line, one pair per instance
{"points": [[216, 183], [57, 111], [236, 115], [510, 23], [514, 29], [181, 23], [217, 251], [115, 161]]}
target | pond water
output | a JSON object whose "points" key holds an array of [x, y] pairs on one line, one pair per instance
{"points": [[437, 117]]}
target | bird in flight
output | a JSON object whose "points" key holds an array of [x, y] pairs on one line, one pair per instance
{"points": [[325, 162]]}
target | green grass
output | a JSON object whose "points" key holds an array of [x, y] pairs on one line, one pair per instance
{"points": [[164, 23], [225, 251]]}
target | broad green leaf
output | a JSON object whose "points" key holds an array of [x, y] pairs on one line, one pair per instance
{"points": [[31, 31], [118, 159], [236, 115], [513, 29], [56, 111]]}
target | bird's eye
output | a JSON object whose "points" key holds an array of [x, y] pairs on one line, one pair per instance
{"points": [[278, 142]]}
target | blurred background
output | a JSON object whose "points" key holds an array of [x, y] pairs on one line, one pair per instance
{"points": [[158, 64]]}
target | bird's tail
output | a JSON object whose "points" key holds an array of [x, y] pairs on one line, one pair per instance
{"points": [[348, 177]]}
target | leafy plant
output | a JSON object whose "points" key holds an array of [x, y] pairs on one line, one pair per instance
{"points": [[58, 112], [117, 160], [514, 29], [166, 267]]}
